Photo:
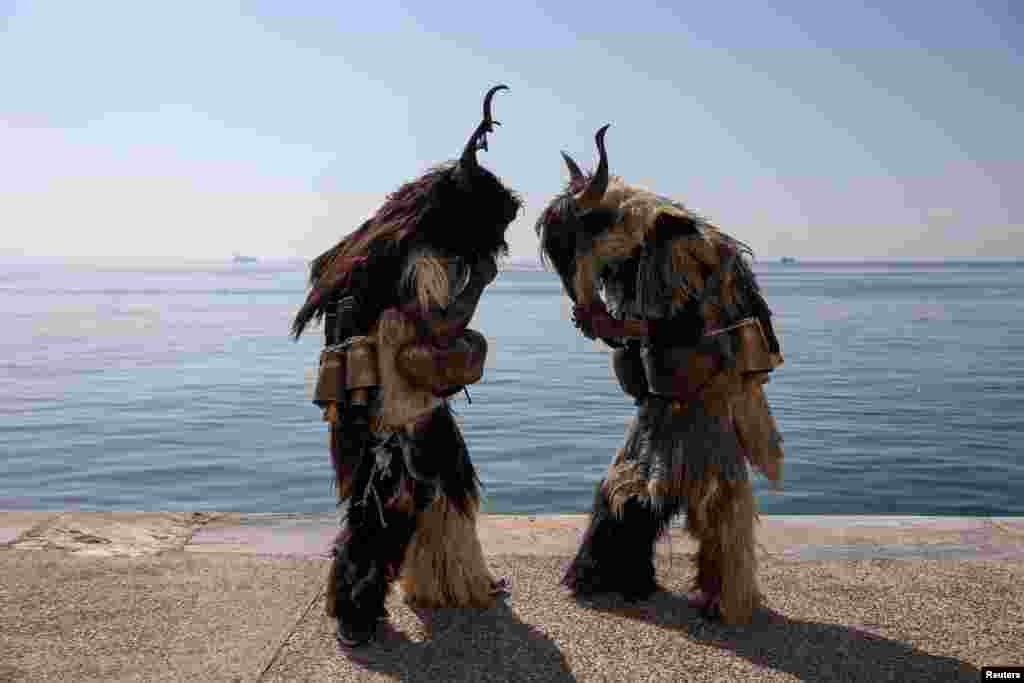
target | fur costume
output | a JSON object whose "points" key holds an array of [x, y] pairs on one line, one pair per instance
{"points": [[693, 344], [396, 297]]}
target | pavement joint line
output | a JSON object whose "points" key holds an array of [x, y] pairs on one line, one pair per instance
{"points": [[290, 631]]}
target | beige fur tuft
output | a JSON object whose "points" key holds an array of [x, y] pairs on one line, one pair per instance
{"points": [[427, 275], [622, 483], [444, 565]]}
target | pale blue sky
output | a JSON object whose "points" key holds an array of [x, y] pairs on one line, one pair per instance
{"points": [[161, 131]]}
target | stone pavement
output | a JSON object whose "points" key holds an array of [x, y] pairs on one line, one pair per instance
{"points": [[228, 597]]}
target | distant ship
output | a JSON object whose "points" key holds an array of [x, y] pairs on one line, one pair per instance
{"points": [[788, 260], [238, 258]]}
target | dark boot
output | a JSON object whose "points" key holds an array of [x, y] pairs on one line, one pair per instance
{"points": [[617, 553]]}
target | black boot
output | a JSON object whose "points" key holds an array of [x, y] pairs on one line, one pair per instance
{"points": [[617, 554]]}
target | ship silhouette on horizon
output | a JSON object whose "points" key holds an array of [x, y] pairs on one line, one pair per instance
{"points": [[239, 258]]}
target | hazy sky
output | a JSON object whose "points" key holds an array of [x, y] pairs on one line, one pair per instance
{"points": [[160, 131]]}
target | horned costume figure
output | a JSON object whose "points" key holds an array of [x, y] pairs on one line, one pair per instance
{"points": [[693, 343], [396, 297]]}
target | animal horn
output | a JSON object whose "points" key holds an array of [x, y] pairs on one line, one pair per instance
{"points": [[599, 182], [575, 174], [478, 140]]}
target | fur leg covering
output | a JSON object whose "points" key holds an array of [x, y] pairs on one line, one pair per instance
{"points": [[366, 561], [369, 553], [721, 515], [445, 566], [617, 552]]}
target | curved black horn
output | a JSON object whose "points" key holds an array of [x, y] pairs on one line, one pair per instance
{"points": [[575, 174], [599, 182], [478, 140]]}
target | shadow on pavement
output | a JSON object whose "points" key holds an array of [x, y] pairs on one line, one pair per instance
{"points": [[809, 650], [466, 645]]}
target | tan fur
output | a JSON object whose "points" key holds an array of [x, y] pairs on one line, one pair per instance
{"points": [[343, 485], [641, 210], [721, 515], [331, 603], [610, 246], [659, 490], [698, 258], [720, 393], [621, 484], [706, 249], [757, 430], [402, 402], [616, 243], [444, 565]]}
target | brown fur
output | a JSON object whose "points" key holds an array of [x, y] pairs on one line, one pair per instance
{"points": [[444, 565], [641, 210], [686, 261], [756, 429], [331, 602], [721, 515], [402, 402]]}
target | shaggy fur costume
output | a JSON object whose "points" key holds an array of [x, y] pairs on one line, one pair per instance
{"points": [[408, 282], [624, 253]]}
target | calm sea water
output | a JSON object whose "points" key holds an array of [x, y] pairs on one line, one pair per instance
{"points": [[902, 392]]}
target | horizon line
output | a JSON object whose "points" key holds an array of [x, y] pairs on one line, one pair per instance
{"points": [[513, 261]]}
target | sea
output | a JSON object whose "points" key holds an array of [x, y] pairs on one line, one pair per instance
{"points": [[179, 389]]}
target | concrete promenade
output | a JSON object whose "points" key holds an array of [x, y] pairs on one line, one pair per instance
{"points": [[228, 597]]}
